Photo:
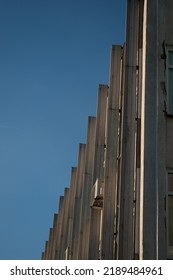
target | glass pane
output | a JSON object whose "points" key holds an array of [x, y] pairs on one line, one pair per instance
{"points": [[170, 58], [170, 182], [170, 94], [170, 220]]}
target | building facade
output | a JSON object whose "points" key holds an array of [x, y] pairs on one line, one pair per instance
{"points": [[120, 201]]}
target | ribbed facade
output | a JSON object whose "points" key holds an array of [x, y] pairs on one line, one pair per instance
{"points": [[120, 201]]}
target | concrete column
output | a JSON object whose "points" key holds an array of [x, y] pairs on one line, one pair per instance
{"points": [[63, 239], [54, 229], [149, 183], [162, 29], [100, 133], [59, 229], [71, 210], [128, 166], [94, 238], [138, 134], [109, 193], [78, 198], [46, 251], [86, 191], [48, 248], [50, 243]]}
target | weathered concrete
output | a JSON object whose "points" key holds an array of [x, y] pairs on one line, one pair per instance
{"points": [[161, 132], [149, 179], [109, 192], [78, 198], [94, 239], [129, 153], [71, 210], [83, 245], [126, 229], [50, 243], [59, 229], [53, 241], [63, 239]]}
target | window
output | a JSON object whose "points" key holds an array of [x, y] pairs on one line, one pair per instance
{"points": [[170, 214], [170, 82]]}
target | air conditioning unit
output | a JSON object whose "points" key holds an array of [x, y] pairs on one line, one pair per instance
{"points": [[97, 195]]}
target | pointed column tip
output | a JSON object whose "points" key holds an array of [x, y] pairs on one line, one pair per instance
{"points": [[90, 118], [73, 168], [103, 86], [81, 145]]}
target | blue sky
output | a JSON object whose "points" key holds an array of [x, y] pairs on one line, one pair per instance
{"points": [[53, 56]]}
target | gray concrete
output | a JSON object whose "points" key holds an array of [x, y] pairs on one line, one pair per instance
{"points": [[71, 210], [59, 229], [128, 153], [94, 238], [109, 192], [78, 198], [149, 172], [128, 173], [63, 238], [83, 244]]}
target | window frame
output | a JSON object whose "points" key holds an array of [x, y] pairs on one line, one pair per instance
{"points": [[168, 67], [169, 194]]}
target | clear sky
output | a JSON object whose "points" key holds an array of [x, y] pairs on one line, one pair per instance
{"points": [[53, 56]]}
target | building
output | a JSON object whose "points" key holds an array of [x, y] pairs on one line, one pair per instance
{"points": [[120, 201]]}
